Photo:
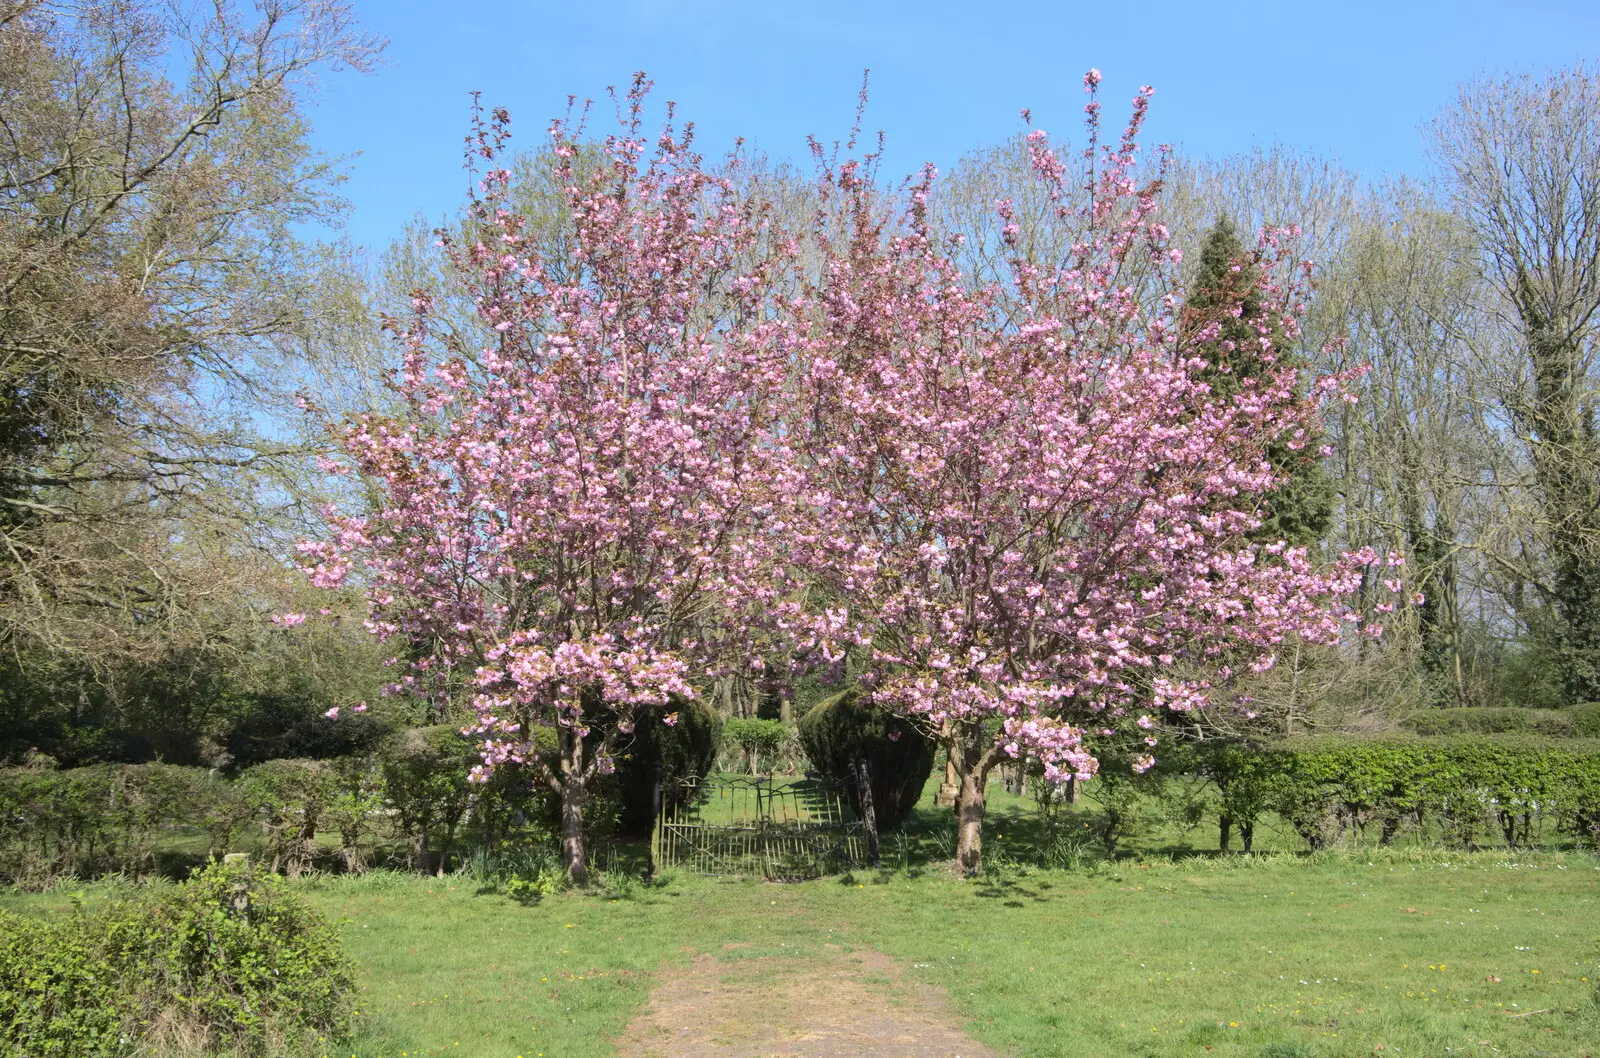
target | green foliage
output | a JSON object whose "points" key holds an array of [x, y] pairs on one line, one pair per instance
{"points": [[1330, 788], [60, 996], [1300, 508], [1555, 723], [231, 959], [682, 751], [1169, 795], [756, 742], [838, 732], [88, 821], [289, 798], [425, 784], [1585, 719]]}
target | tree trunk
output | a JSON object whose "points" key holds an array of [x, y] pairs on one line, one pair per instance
{"points": [[572, 793], [419, 850], [972, 771], [970, 805], [1247, 835], [950, 786], [1224, 831]]}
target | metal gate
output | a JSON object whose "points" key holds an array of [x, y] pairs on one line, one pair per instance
{"points": [[778, 829]]}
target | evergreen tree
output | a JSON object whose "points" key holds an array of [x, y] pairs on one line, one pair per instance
{"points": [[1299, 509]]}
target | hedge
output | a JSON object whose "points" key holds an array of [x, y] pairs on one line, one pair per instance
{"points": [[839, 731], [685, 750], [229, 960], [1330, 787], [108, 819]]}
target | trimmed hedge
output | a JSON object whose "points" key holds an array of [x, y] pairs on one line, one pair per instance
{"points": [[685, 750], [1468, 786], [841, 730], [107, 819], [230, 959], [1554, 723], [756, 741]]}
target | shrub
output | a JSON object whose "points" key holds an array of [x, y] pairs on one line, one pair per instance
{"points": [[425, 784], [95, 820], [1555, 723], [1585, 719], [840, 731], [682, 751], [1329, 786], [289, 798], [229, 960], [754, 741], [59, 994]]}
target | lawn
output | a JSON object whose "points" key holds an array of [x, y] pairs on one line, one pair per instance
{"points": [[1273, 956]]}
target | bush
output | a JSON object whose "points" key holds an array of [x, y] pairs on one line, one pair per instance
{"points": [[756, 742], [289, 798], [839, 731], [1585, 719], [229, 960], [425, 785], [1328, 787], [683, 751], [96, 820], [1555, 723]]}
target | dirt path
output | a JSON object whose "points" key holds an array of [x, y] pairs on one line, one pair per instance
{"points": [[850, 1005]]}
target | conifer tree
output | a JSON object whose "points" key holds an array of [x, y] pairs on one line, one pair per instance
{"points": [[1228, 282]]}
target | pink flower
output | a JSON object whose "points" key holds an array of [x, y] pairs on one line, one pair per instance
{"points": [[289, 620], [332, 714]]}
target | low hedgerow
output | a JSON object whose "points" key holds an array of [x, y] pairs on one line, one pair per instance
{"points": [[229, 962], [1488, 720], [1467, 787]]}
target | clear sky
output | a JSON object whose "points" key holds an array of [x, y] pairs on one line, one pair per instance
{"points": [[1352, 80]]}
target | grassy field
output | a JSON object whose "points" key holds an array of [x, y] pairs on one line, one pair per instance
{"points": [[1170, 950], [1272, 956]]}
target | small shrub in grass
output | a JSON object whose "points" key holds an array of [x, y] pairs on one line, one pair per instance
{"points": [[228, 962], [240, 962]]}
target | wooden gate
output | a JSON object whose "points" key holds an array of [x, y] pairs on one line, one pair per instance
{"points": [[778, 829]]}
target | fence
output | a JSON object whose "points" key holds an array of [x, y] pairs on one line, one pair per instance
{"points": [[781, 829]]}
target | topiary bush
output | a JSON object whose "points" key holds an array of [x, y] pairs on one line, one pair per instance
{"points": [[683, 751], [228, 961], [841, 730]]}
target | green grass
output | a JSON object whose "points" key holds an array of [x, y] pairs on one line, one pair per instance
{"points": [[1171, 950], [1269, 956]]}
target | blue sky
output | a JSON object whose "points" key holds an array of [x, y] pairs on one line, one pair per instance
{"points": [[1352, 80]]}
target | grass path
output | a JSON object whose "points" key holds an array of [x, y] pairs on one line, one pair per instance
{"points": [[1271, 958]]}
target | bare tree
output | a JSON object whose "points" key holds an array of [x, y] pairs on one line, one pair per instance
{"points": [[154, 178], [1522, 155]]}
